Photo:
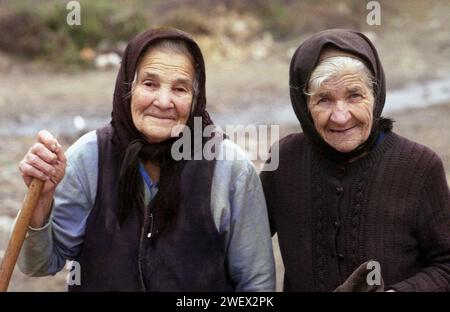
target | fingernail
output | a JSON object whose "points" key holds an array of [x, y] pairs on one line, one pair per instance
{"points": [[54, 147]]}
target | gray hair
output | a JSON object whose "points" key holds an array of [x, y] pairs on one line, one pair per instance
{"points": [[175, 46], [331, 67]]}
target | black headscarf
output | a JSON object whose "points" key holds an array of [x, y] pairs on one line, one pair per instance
{"points": [[306, 58], [131, 143]]}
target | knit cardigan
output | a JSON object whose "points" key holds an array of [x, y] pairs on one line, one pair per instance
{"points": [[392, 206]]}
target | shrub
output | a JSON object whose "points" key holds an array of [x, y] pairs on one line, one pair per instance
{"points": [[41, 30]]}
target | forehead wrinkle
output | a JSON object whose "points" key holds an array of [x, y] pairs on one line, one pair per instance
{"points": [[345, 78], [354, 88], [157, 69], [167, 62], [176, 77], [324, 93]]}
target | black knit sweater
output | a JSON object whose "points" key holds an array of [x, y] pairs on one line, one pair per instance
{"points": [[392, 206]]}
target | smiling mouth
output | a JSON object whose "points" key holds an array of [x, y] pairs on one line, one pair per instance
{"points": [[160, 117], [339, 131]]}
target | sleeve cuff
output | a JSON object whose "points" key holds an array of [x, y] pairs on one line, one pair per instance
{"points": [[47, 222], [45, 226]]}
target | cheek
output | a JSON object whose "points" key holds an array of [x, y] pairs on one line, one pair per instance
{"points": [[184, 108], [320, 117], [140, 99], [138, 104], [364, 114]]}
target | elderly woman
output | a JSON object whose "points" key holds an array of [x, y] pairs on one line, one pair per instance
{"points": [[348, 189], [135, 218]]}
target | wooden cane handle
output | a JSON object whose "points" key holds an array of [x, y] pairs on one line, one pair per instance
{"points": [[19, 232]]}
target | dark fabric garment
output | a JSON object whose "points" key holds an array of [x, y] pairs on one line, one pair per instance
{"points": [[380, 138], [123, 258], [132, 145], [306, 58], [392, 206]]}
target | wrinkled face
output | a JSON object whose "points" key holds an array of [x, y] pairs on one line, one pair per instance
{"points": [[162, 96], [342, 110]]}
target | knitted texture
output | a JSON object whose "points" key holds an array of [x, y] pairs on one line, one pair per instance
{"points": [[392, 206]]}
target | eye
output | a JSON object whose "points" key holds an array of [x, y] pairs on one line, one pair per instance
{"points": [[180, 90], [323, 100], [149, 83], [355, 96]]}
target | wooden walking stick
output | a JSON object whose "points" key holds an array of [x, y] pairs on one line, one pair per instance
{"points": [[19, 232]]}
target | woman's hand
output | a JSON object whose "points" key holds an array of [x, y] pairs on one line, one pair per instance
{"points": [[45, 160]]}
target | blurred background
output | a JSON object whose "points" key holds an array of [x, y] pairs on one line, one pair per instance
{"points": [[61, 77]]}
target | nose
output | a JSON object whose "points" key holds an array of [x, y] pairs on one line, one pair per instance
{"points": [[340, 114], [163, 99]]}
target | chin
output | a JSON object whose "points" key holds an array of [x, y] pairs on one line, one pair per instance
{"points": [[157, 137], [343, 148]]}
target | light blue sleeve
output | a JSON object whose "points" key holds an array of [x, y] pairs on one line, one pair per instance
{"points": [[46, 250], [237, 203], [240, 214]]}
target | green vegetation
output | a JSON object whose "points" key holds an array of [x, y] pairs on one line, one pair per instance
{"points": [[40, 31], [37, 30]]}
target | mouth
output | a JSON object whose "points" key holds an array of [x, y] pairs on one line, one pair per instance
{"points": [[161, 117], [342, 131]]}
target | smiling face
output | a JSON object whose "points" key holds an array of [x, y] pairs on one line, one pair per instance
{"points": [[342, 110], [162, 95]]}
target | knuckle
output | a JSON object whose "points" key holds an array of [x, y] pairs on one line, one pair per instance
{"points": [[41, 134], [36, 147], [32, 158], [39, 146], [25, 170], [45, 137], [27, 158], [21, 166]]}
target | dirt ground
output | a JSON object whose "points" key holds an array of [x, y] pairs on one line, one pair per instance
{"points": [[28, 95]]}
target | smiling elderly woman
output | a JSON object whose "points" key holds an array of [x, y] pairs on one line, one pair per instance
{"points": [[340, 100], [134, 217], [348, 189]]}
